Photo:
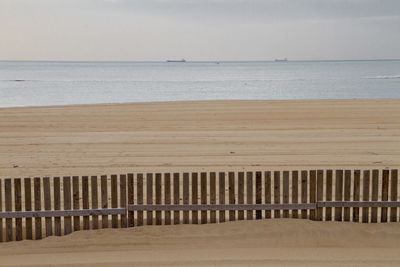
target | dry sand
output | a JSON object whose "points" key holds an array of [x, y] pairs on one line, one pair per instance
{"points": [[211, 135]]}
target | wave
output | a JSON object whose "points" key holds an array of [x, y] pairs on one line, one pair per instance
{"points": [[384, 77]]}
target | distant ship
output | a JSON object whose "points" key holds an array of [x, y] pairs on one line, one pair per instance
{"points": [[281, 60], [181, 61]]}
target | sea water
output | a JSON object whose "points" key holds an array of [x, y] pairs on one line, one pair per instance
{"points": [[30, 83]]}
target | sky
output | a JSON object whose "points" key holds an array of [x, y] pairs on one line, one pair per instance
{"points": [[157, 30]]}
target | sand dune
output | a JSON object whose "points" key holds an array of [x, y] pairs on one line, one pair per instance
{"points": [[246, 243]]}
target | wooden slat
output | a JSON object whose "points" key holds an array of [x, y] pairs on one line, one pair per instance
{"points": [[201, 207], [347, 190], [76, 206], [338, 193], [158, 198], [177, 218], [57, 205], [67, 204], [213, 196], [28, 207], [295, 192], [374, 195], [222, 195], [38, 206], [114, 199], [149, 196], [258, 194], [285, 192], [365, 210], [385, 194], [47, 205], [249, 188], [203, 189], [61, 213], [313, 192], [167, 197], [328, 194], [277, 192], [186, 196], [320, 193], [131, 199], [241, 194], [231, 177], [140, 198], [104, 200], [356, 195], [267, 192], [122, 199], [1, 209], [194, 197], [304, 193], [18, 207], [393, 193], [85, 201], [8, 207], [95, 205]]}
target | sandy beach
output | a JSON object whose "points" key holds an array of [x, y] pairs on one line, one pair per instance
{"points": [[210, 136]]}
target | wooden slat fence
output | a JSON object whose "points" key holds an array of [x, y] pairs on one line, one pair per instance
{"points": [[32, 208]]}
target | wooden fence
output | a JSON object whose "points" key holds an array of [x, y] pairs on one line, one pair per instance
{"points": [[39, 207]]}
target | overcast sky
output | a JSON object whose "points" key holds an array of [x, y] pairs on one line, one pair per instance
{"points": [[199, 29]]}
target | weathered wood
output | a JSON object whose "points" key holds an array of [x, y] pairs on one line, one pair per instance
{"points": [[85, 201], [258, 194], [76, 206], [338, 193], [95, 205], [140, 198], [328, 194], [231, 177], [320, 193], [222, 195], [114, 199], [203, 189], [18, 207], [249, 188], [131, 199], [385, 193], [57, 205], [347, 189], [304, 193], [194, 197], [374, 195], [267, 192], [122, 199], [186, 196], [158, 198], [149, 196], [213, 197], [167, 197], [393, 193], [67, 204], [47, 205], [285, 192], [38, 206], [8, 207], [201, 207], [365, 210], [104, 200], [295, 192], [313, 192], [241, 194], [61, 213], [359, 204], [356, 195], [28, 207], [177, 218], [277, 192]]}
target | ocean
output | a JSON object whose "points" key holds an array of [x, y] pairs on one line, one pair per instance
{"points": [[37, 83]]}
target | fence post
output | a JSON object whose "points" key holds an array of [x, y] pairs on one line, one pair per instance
{"points": [[393, 194], [338, 193], [320, 193], [313, 193]]}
